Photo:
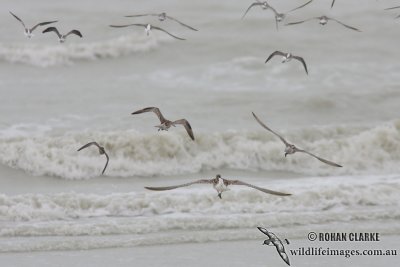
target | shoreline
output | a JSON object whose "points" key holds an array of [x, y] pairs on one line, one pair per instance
{"points": [[227, 253]]}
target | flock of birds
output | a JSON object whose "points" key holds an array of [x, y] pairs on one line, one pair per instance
{"points": [[219, 183], [279, 17]]}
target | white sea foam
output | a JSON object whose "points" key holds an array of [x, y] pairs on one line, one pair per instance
{"points": [[55, 54], [157, 218], [359, 150]]}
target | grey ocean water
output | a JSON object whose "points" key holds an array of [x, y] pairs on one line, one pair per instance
{"points": [[54, 98]]}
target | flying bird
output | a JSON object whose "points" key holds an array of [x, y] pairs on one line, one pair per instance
{"points": [[162, 17], [62, 37], [166, 124], [147, 29], [273, 240], [291, 149], [219, 184], [101, 152], [333, 2], [395, 7], [264, 5], [28, 31], [287, 57], [279, 17], [323, 20]]}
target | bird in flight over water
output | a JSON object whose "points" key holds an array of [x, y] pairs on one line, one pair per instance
{"points": [[162, 17], [323, 20], [220, 185], [291, 149], [29, 31], [166, 124], [102, 151], [147, 29], [62, 37], [288, 57]]}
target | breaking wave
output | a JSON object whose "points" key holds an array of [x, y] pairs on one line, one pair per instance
{"points": [[67, 220], [49, 55], [359, 150]]}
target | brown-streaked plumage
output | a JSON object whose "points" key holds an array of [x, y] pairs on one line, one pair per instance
{"points": [[166, 124], [287, 57], [28, 31], [290, 148], [162, 17], [101, 152], [147, 29], [220, 184], [323, 20], [62, 37]]}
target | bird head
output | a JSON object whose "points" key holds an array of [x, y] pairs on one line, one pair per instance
{"points": [[267, 242], [162, 16], [265, 5], [323, 20], [280, 17]]}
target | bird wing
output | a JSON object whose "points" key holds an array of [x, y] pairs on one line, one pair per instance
{"points": [[333, 2], [266, 127], [106, 163], [127, 25], [253, 4], [302, 61], [76, 32], [282, 252], [141, 15], [395, 7], [277, 243], [89, 144], [151, 109], [298, 22], [265, 231], [237, 182], [20, 20], [42, 24], [347, 26], [187, 126], [319, 158], [170, 34], [181, 23], [162, 188], [303, 5], [276, 53], [52, 29]]}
